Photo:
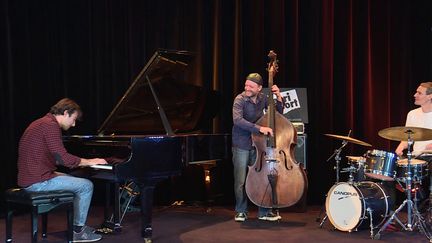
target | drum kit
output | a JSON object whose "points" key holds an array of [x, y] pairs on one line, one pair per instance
{"points": [[361, 203]]}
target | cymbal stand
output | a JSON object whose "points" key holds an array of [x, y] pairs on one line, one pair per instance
{"points": [[414, 217], [336, 155]]}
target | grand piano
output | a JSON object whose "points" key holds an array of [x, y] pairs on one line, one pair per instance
{"points": [[155, 130]]}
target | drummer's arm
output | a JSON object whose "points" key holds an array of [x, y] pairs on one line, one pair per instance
{"points": [[429, 146], [402, 146]]}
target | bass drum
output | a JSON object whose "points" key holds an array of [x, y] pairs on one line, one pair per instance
{"points": [[347, 205]]}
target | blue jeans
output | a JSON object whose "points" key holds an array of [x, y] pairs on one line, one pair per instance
{"points": [[241, 160], [82, 188]]}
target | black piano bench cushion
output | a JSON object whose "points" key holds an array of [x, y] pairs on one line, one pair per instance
{"points": [[20, 195]]}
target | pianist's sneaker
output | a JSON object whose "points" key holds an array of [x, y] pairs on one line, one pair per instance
{"points": [[86, 235], [240, 217], [270, 216]]}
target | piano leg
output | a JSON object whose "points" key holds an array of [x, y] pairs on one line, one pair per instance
{"points": [[111, 222], [107, 201], [116, 212], [146, 196]]}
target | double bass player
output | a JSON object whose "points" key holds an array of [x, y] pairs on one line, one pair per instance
{"points": [[248, 107]]}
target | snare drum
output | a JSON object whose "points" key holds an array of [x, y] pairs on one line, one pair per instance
{"points": [[348, 205], [418, 169], [380, 165]]}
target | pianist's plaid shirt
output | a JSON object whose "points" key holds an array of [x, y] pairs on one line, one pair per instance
{"points": [[41, 150]]}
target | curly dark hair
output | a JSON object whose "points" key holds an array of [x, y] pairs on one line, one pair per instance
{"points": [[68, 105]]}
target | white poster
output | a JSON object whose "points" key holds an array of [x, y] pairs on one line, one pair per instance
{"points": [[292, 101]]}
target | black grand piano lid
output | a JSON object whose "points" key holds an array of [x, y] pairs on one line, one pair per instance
{"points": [[169, 73]]}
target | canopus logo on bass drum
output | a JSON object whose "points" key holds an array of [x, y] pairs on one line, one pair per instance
{"points": [[345, 193]]}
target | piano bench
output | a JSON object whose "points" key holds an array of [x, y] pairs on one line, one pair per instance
{"points": [[38, 203]]}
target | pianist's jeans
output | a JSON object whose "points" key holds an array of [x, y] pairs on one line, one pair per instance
{"points": [[82, 188], [241, 159]]}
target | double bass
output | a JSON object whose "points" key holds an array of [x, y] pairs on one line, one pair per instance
{"points": [[276, 179]]}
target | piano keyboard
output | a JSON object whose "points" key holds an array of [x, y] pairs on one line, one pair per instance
{"points": [[103, 167]]}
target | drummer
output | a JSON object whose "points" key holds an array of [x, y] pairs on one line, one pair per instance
{"points": [[420, 117]]}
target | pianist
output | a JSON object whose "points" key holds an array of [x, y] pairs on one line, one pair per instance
{"points": [[41, 150]]}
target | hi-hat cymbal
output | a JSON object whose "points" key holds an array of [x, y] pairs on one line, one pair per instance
{"points": [[401, 133], [425, 153], [348, 139]]}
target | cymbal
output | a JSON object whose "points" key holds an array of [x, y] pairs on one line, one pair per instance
{"points": [[401, 133], [403, 162], [348, 139]]}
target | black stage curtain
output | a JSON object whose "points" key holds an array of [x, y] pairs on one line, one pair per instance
{"points": [[360, 61]]}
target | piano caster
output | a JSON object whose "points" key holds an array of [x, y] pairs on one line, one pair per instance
{"points": [[110, 228], [147, 240], [104, 230], [147, 234]]}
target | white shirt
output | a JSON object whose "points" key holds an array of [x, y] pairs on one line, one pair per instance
{"points": [[418, 118]]}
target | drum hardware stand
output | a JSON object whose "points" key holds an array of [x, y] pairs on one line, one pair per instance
{"points": [[429, 214], [350, 170], [371, 222], [413, 213], [336, 155]]}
